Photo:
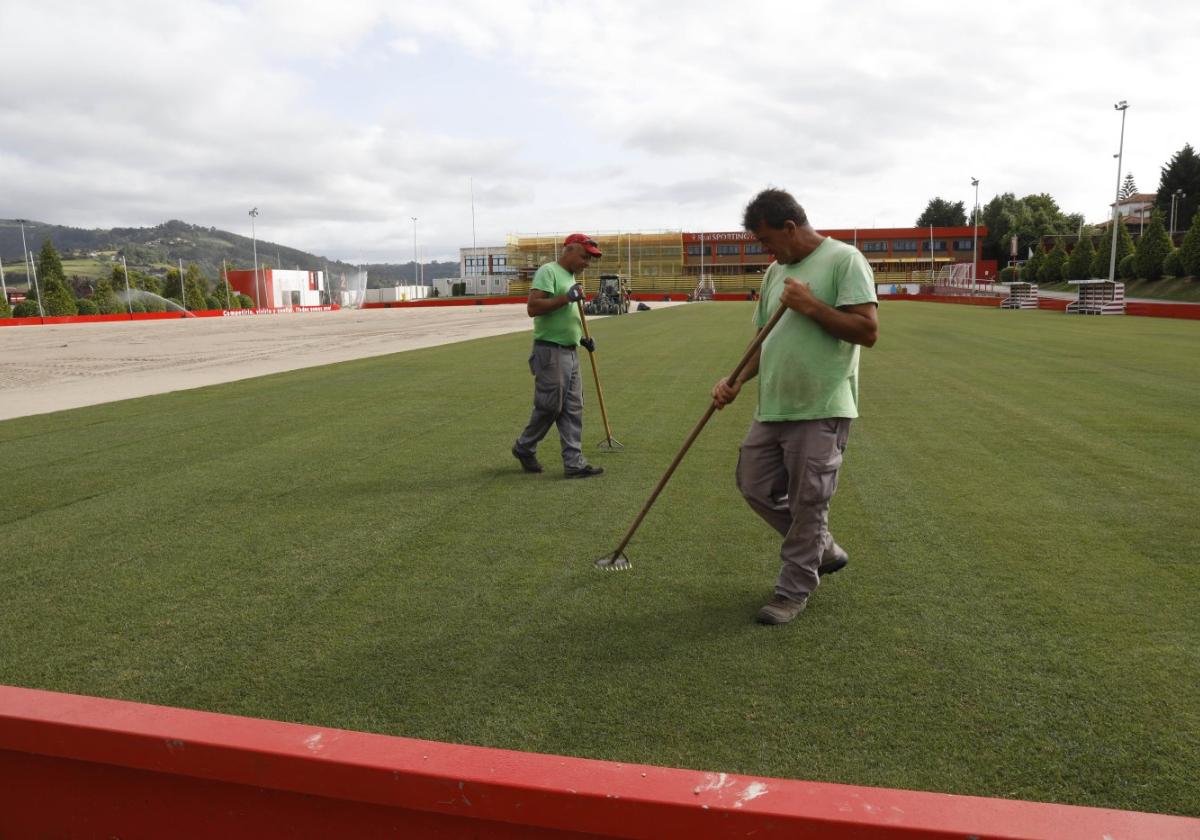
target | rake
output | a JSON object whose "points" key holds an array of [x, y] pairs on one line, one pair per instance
{"points": [[608, 443], [617, 561]]}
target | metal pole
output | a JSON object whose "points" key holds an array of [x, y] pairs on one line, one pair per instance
{"points": [[932, 272], [975, 241], [414, 221], [474, 245], [182, 288], [1121, 106], [25, 255], [128, 294], [254, 241], [3, 285], [228, 294], [37, 291]]}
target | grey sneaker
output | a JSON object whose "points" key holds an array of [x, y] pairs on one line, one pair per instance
{"points": [[833, 559], [529, 463], [586, 471], [780, 610]]}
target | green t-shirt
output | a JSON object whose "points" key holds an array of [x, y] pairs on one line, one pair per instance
{"points": [[804, 373], [562, 326]]}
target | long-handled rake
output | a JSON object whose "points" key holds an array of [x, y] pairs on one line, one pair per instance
{"points": [[608, 443], [617, 561]]}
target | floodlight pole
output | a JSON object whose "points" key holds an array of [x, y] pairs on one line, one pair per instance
{"points": [[1176, 197], [1121, 106], [128, 294], [975, 242], [414, 221], [182, 289], [30, 274], [254, 242], [3, 285]]}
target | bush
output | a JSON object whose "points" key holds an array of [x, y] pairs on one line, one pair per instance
{"points": [[27, 308], [1006, 274], [1173, 264], [1127, 267], [137, 306], [5, 309], [243, 301], [153, 304], [211, 302], [87, 307]]}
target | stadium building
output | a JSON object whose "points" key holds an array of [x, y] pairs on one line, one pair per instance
{"points": [[725, 261]]}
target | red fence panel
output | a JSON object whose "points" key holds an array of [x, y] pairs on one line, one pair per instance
{"points": [[85, 766]]}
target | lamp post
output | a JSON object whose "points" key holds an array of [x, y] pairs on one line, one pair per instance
{"points": [[1121, 106], [975, 242], [415, 269], [1176, 197], [254, 241], [30, 276]]}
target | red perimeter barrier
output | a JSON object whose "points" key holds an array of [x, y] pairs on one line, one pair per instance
{"points": [[85, 766], [158, 316]]}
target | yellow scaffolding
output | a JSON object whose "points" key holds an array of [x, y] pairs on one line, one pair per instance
{"points": [[645, 259]]}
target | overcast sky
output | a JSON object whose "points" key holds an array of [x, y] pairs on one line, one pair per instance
{"points": [[341, 121]]}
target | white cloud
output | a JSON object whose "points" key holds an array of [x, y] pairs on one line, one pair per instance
{"points": [[342, 121]]}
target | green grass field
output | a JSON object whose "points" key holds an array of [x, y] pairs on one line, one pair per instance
{"points": [[353, 546]]}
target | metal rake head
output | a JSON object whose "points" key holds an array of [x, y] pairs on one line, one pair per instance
{"points": [[611, 445], [615, 562]]}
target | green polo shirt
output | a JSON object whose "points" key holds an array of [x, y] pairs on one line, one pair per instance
{"points": [[562, 326], [804, 373]]}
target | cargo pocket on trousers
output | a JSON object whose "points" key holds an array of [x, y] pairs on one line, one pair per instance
{"points": [[820, 478]]}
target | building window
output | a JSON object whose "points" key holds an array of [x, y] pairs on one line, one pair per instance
{"points": [[904, 245], [728, 250], [692, 251], [938, 245], [755, 248], [499, 261], [874, 246], [964, 245]]}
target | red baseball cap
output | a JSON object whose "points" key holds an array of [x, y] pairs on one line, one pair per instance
{"points": [[587, 242]]}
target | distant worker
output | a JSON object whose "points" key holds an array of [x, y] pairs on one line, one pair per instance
{"points": [[554, 363], [807, 392]]}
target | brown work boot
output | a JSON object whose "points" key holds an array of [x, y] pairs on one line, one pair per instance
{"points": [[833, 559], [781, 609]]}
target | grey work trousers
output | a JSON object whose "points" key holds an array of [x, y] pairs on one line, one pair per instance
{"points": [[788, 472], [557, 399]]}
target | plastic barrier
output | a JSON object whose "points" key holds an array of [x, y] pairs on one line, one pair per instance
{"points": [[89, 767]]}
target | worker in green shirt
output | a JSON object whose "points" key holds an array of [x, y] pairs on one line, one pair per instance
{"points": [[807, 371], [554, 362]]}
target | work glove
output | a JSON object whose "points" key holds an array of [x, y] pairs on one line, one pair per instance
{"points": [[575, 293], [588, 343]]}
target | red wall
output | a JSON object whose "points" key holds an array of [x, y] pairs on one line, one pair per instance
{"points": [[73, 766]]}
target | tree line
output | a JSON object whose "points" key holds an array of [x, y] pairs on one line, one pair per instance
{"points": [[52, 294], [1034, 218]]}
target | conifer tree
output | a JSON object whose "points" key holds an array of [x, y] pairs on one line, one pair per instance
{"points": [[1051, 270], [1079, 265], [1189, 252], [1152, 249], [56, 297]]}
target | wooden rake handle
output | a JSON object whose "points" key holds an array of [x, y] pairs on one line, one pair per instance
{"points": [[695, 433], [595, 375]]}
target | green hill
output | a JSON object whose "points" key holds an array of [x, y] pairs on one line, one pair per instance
{"points": [[89, 253]]}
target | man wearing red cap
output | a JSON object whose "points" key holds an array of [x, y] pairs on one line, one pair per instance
{"points": [[554, 363]]}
